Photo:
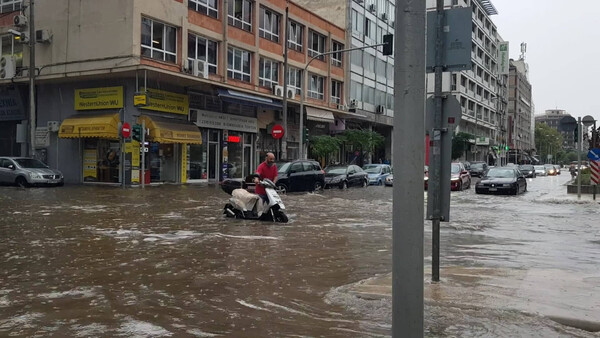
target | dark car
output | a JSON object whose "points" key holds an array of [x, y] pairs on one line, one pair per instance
{"points": [[300, 175], [528, 170], [25, 171], [478, 169], [502, 180], [344, 176], [460, 179]]}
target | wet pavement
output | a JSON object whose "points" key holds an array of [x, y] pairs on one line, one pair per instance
{"points": [[162, 261]]}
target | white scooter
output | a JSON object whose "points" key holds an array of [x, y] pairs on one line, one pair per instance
{"points": [[246, 205]]}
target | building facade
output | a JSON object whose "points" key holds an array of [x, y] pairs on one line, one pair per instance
{"points": [[520, 113], [554, 118], [205, 78]]}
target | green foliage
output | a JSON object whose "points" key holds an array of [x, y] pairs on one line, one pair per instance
{"points": [[586, 176], [460, 142], [365, 140], [547, 141], [324, 145]]}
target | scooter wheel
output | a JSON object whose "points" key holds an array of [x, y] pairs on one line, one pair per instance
{"points": [[281, 217]]}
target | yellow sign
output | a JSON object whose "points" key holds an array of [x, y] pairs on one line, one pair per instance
{"points": [[89, 165], [167, 102], [99, 98], [184, 164], [140, 100], [135, 154]]}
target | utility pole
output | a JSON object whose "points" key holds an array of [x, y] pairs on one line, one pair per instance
{"points": [[285, 86], [409, 159], [579, 139], [32, 118]]}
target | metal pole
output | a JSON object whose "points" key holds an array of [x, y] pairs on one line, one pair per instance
{"points": [[436, 169], [579, 139], [409, 159], [32, 112], [285, 87], [143, 153]]}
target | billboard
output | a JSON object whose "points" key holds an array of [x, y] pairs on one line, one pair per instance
{"points": [[503, 58]]}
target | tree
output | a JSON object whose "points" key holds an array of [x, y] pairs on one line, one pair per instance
{"points": [[324, 145], [460, 141], [363, 140], [548, 141]]}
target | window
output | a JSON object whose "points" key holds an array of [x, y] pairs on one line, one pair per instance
{"points": [[336, 91], [316, 45], [358, 22], [238, 64], [159, 41], [207, 7], [369, 94], [453, 84], [369, 63], [380, 70], [356, 57], [203, 49], [295, 36], [269, 25], [295, 79], [356, 89], [268, 73], [315, 89], [370, 29], [7, 6], [239, 14], [336, 58]]}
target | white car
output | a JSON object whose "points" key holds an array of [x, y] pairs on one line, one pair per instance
{"points": [[24, 171], [540, 170]]}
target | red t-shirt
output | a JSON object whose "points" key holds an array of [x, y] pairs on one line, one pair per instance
{"points": [[264, 171]]}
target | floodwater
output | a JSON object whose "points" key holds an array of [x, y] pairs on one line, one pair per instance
{"points": [[89, 261]]}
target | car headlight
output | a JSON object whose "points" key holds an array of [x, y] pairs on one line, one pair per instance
{"points": [[34, 175]]}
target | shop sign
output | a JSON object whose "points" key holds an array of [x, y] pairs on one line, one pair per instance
{"points": [[42, 137], [214, 120], [89, 164], [99, 98], [11, 106], [482, 141], [167, 102]]}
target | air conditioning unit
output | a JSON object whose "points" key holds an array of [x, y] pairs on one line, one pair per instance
{"points": [[380, 109], [8, 67], [43, 35], [372, 8], [353, 103], [53, 126], [342, 107], [20, 20], [200, 68], [278, 91], [384, 16], [291, 93]]}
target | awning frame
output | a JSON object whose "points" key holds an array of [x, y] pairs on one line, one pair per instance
{"points": [[171, 132], [104, 125]]}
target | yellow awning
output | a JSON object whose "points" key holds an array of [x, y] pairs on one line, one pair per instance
{"points": [[91, 125], [172, 132]]}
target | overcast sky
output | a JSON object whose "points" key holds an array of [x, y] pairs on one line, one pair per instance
{"points": [[563, 50]]}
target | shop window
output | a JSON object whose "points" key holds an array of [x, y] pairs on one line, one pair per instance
{"points": [[159, 40], [206, 7], [101, 161]]}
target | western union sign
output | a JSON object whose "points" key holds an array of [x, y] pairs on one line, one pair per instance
{"points": [[167, 102], [99, 98]]}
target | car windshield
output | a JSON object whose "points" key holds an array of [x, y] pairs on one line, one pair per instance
{"points": [[501, 173], [30, 163], [539, 167], [372, 169], [477, 165], [455, 169], [526, 167], [336, 170], [283, 166]]}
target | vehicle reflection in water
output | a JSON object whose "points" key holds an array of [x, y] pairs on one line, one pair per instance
{"points": [[159, 261]]}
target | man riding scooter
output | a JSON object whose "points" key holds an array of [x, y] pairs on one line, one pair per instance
{"points": [[267, 169]]}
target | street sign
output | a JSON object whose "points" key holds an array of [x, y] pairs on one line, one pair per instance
{"points": [[126, 130], [277, 131], [457, 37], [594, 154], [595, 172], [588, 120], [568, 123]]}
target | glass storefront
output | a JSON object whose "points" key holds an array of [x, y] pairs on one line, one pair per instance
{"points": [[101, 159], [204, 159], [162, 162], [240, 155]]}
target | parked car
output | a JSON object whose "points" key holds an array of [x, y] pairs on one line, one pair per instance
{"points": [[528, 170], [502, 180], [344, 176], [389, 181], [300, 175], [25, 171], [478, 169], [426, 177], [540, 170], [460, 178], [550, 169], [377, 172]]}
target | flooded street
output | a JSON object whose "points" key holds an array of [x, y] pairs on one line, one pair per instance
{"points": [[163, 261]]}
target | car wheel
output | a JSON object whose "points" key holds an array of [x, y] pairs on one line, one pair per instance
{"points": [[460, 186], [469, 185], [344, 185], [318, 186], [366, 183], [282, 188], [379, 182], [22, 182]]}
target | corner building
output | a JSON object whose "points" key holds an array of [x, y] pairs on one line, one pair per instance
{"points": [[211, 72]]}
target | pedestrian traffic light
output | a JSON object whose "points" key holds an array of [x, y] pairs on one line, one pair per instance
{"points": [[388, 48], [576, 134], [305, 134], [136, 132]]}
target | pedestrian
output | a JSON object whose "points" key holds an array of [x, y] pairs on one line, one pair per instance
{"points": [[267, 169], [573, 171]]}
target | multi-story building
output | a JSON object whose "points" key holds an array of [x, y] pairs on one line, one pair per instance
{"points": [[520, 112], [480, 89], [370, 91], [211, 72], [554, 119]]}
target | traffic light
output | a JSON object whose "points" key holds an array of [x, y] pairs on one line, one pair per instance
{"points": [[388, 48], [136, 132], [576, 134], [305, 134], [507, 147]]}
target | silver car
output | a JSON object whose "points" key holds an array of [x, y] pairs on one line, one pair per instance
{"points": [[26, 172]]}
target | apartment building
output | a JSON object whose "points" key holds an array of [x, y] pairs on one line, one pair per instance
{"points": [[204, 76], [554, 118], [520, 112], [370, 91]]}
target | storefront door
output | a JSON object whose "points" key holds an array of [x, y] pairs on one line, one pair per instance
{"points": [[214, 155]]}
